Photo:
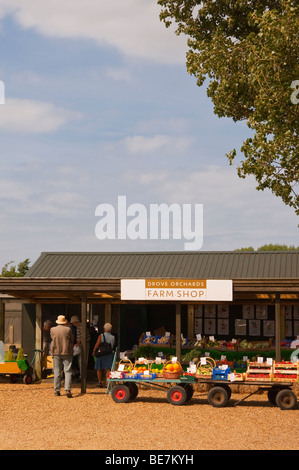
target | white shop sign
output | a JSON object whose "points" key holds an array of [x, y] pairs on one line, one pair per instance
{"points": [[210, 290]]}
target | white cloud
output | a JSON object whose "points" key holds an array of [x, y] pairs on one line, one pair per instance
{"points": [[143, 144], [131, 26], [30, 116]]}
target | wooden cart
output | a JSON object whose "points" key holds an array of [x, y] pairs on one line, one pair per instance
{"points": [[15, 370], [179, 391]]}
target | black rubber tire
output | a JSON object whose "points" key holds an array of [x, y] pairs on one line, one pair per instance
{"points": [[272, 394], [27, 379], [177, 395], [189, 391], [218, 397], [133, 389], [120, 393], [286, 399]]}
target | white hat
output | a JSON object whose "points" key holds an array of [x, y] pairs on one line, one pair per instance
{"points": [[61, 320]]}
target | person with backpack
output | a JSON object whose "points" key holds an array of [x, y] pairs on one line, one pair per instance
{"points": [[104, 359]]}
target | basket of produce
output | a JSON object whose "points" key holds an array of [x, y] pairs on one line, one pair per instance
{"points": [[141, 365], [125, 365], [205, 371], [157, 368], [172, 370]]}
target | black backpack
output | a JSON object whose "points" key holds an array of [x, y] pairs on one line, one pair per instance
{"points": [[104, 348]]}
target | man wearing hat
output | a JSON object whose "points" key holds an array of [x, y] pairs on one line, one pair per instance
{"points": [[62, 351]]}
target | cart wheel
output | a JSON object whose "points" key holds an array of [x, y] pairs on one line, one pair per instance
{"points": [[228, 389], [13, 378], [177, 395], [133, 388], [218, 397], [27, 379], [120, 393], [189, 391], [272, 394], [286, 399]]}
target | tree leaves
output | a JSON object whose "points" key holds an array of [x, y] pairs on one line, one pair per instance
{"points": [[248, 53]]}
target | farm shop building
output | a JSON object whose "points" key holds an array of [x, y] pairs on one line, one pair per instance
{"points": [[252, 295]]}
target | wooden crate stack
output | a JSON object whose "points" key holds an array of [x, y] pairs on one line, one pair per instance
{"points": [[285, 372], [259, 372]]}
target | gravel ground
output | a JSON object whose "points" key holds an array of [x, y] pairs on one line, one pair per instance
{"points": [[32, 418]]}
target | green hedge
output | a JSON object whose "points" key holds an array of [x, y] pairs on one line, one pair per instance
{"points": [[150, 351]]}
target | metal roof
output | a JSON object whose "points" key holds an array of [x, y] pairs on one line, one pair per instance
{"points": [[187, 264]]}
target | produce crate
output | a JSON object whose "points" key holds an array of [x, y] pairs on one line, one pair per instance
{"points": [[239, 376], [220, 374], [150, 376], [156, 341], [187, 378], [285, 372], [116, 375], [130, 375], [259, 372], [245, 345]]}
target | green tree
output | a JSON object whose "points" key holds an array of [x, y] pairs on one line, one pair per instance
{"points": [[271, 247], [248, 51], [13, 271]]}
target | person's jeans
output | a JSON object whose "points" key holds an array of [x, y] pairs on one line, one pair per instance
{"points": [[65, 363]]}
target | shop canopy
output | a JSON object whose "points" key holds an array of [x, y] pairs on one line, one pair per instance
{"points": [[65, 277], [83, 277]]}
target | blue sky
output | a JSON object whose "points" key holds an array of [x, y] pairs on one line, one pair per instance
{"points": [[98, 104]]}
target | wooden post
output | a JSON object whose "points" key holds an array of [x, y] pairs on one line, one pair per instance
{"points": [[38, 340], [178, 330], [84, 342], [107, 313], [191, 332], [2, 320], [277, 328]]}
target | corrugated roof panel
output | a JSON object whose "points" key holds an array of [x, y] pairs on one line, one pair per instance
{"points": [[221, 265]]}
